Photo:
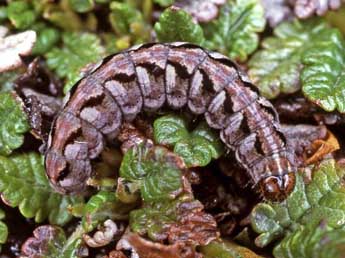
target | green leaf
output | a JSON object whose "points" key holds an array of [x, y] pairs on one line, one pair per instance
{"points": [[81, 6], [109, 40], [276, 68], [154, 217], [235, 32], [164, 3], [127, 191], [21, 14], [121, 17], [308, 204], [47, 37], [7, 79], [23, 184], [64, 18], [13, 123], [3, 229], [170, 129], [204, 132], [195, 152], [303, 53], [196, 148], [155, 170], [104, 205], [317, 242], [67, 248], [79, 49], [177, 25], [226, 249], [128, 23], [323, 76]]}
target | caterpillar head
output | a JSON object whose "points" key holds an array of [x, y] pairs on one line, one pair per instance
{"points": [[277, 188]]}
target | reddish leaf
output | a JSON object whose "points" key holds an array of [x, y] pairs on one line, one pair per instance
{"points": [[147, 249], [306, 8], [201, 10]]}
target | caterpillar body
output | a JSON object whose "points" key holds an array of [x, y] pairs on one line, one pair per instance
{"points": [[175, 75]]}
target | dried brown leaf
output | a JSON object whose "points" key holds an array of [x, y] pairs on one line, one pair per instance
{"points": [[37, 245], [130, 136], [104, 235], [50, 241], [299, 110], [300, 138], [143, 248], [194, 226], [39, 78], [179, 221], [39, 90], [322, 147], [116, 254], [310, 143]]}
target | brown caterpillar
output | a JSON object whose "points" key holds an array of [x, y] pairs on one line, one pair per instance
{"points": [[177, 75]]}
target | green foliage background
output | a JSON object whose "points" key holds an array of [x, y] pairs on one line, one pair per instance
{"points": [[298, 56]]}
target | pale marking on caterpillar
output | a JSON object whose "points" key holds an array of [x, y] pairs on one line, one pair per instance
{"points": [[177, 75]]}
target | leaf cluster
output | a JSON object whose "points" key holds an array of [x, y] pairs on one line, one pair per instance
{"points": [[234, 33], [79, 49], [177, 25], [302, 54], [298, 217], [319, 241], [101, 206], [23, 184], [27, 15], [197, 148], [170, 212], [13, 123], [154, 218], [128, 24], [156, 172]]}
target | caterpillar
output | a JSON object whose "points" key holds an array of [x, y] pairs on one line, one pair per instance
{"points": [[177, 76]]}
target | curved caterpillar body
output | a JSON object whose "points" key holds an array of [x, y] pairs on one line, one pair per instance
{"points": [[177, 75]]}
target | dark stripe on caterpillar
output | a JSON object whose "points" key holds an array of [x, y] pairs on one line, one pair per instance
{"points": [[177, 75]]}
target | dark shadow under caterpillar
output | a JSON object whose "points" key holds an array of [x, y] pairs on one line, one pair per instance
{"points": [[177, 75]]}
